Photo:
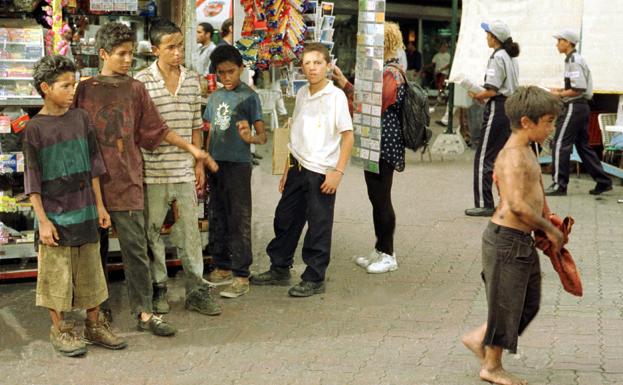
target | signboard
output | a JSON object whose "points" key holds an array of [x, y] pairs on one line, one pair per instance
{"points": [[369, 85], [214, 12], [113, 5]]}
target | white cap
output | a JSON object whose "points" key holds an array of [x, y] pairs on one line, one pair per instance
{"points": [[498, 29], [569, 35]]}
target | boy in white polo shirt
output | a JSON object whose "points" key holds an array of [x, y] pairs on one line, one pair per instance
{"points": [[321, 141]]}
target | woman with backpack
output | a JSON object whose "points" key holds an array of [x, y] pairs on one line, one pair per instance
{"points": [[500, 83], [383, 259]]}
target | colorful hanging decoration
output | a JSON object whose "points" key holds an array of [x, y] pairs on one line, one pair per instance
{"points": [[285, 30], [54, 41]]}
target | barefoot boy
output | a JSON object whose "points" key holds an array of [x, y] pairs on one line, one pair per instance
{"points": [[321, 141], [510, 262], [63, 166]]}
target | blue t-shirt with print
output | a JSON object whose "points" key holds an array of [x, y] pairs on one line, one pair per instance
{"points": [[225, 108]]}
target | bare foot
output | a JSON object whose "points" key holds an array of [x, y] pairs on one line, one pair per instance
{"points": [[500, 376], [473, 341]]}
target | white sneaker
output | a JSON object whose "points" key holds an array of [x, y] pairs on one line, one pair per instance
{"points": [[365, 261], [384, 264]]}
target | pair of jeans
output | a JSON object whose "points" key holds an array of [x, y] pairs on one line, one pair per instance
{"points": [[380, 195], [302, 202], [130, 227], [512, 276], [229, 215], [185, 233]]}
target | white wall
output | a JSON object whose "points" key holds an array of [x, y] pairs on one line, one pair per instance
{"points": [[532, 24]]}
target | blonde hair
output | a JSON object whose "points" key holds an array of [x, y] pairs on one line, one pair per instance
{"points": [[393, 40]]}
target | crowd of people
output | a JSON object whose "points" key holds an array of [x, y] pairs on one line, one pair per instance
{"points": [[117, 151]]}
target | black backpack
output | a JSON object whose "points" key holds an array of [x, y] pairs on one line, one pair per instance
{"points": [[415, 117]]}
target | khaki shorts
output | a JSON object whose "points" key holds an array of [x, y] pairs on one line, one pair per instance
{"points": [[70, 277]]}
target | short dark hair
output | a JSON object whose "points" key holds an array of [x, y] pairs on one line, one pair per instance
{"points": [[317, 47], [207, 28], [532, 102], [224, 53], [226, 27], [112, 35], [49, 68], [161, 28]]}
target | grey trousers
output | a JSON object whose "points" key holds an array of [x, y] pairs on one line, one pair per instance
{"points": [[185, 232], [130, 227]]}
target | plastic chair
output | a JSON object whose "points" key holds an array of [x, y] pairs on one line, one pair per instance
{"points": [[269, 100], [607, 119]]}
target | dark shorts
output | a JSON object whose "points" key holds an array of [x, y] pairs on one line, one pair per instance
{"points": [[512, 276]]}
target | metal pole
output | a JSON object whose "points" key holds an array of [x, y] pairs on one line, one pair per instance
{"points": [[453, 28]]}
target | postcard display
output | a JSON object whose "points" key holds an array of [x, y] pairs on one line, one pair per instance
{"points": [[369, 85]]}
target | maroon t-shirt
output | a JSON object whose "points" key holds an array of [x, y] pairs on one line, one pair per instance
{"points": [[125, 119]]}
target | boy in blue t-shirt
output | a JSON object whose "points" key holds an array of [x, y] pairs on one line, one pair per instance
{"points": [[229, 114]]}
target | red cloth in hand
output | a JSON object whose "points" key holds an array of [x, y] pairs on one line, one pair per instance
{"points": [[562, 262]]}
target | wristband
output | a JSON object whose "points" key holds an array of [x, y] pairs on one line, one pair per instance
{"points": [[340, 171]]}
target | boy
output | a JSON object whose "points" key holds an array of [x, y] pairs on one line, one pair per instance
{"points": [[229, 113], [63, 166], [511, 269], [321, 141], [126, 120], [171, 174], [572, 128]]}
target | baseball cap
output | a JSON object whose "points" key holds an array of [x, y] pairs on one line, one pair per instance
{"points": [[569, 35], [498, 29]]}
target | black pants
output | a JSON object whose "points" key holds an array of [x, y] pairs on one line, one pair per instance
{"points": [[229, 215], [303, 202], [493, 135], [512, 276], [572, 128], [380, 195]]}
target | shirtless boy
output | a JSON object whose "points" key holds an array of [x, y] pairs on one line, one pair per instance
{"points": [[510, 263]]}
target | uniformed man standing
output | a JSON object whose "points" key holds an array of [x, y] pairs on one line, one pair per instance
{"points": [[572, 125], [500, 83]]}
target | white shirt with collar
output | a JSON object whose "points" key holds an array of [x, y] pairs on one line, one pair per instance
{"points": [[318, 121]]}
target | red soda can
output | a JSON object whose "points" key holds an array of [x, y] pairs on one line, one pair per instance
{"points": [[211, 78]]}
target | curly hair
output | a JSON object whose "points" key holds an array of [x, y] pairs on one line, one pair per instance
{"points": [[112, 35], [49, 68], [393, 40], [224, 53]]}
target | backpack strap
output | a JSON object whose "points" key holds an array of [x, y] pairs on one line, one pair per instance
{"points": [[399, 68]]}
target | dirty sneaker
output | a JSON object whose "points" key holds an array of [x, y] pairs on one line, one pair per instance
{"points": [[220, 277], [239, 287], [157, 325], [202, 301], [159, 300], [384, 264], [275, 277], [66, 342], [365, 261], [100, 333], [306, 289]]}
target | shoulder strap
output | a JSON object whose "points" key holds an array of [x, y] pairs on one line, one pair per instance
{"points": [[399, 68]]}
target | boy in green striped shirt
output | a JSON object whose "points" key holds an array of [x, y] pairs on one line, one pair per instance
{"points": [[63, 166]]}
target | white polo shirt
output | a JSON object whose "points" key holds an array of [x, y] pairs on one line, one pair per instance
{"points": [[318, 121]]}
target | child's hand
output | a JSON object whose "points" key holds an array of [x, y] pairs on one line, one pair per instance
{"points": [[103, 218], [331, 181], [555, 237], [48, 234], [282, 182], [200, 176], [210, 163], [245, 131]]}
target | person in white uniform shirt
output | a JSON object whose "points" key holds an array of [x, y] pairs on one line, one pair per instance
{"points": [[321, 141]]}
